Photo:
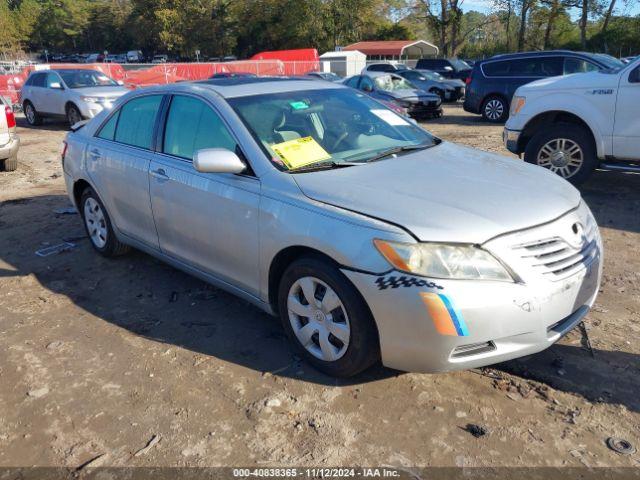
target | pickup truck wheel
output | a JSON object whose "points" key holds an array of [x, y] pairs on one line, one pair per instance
{"points": [[495, 109], [565, 149], [33, 117], [326, 318], [98, 225]]}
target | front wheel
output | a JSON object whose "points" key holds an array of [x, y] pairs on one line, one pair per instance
{"points": [[566, 149], [495, 109], [327, 319], [73, 115], [98, 225]]}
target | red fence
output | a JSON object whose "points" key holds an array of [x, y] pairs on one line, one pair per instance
{"points": [[144, 75]]}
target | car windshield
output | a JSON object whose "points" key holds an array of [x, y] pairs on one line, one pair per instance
{"points": [[392, 83], [612, 63], [327, 126], [86, 78]]}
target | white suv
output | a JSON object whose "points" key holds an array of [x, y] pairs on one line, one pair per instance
{"points": [[576, 123], [74, 94]]}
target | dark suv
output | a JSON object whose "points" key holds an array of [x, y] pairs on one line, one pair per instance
{"points": [[447, 67], [494, 81]]}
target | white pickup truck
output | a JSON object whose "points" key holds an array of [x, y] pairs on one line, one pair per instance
{"points": [[576, 123]]}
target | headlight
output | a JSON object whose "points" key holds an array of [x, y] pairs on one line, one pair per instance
{"points": [[440, 260], [516, 104], [93, 99]]}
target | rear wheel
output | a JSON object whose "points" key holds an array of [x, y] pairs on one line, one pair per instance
{"points": [[495, 109], [326, 318], [98, 225], [566, 149], [33, 117]]}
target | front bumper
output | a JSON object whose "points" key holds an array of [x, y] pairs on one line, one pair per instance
{"points": [[425, 108], [511, 140], [500, 321], [10, 149], [433, 325], [91, 109]]}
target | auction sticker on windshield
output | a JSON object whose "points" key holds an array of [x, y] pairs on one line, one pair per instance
{"points": [[390, 117], [300, 152]]}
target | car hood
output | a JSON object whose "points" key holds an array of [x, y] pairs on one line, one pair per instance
{"points": [[590, 80], [107, 92], [408, 94], [447, 193]]}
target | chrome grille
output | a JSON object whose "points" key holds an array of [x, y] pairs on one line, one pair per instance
{"points": [[556, 258]]}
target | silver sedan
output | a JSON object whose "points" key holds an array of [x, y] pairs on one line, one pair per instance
{"points": [[369, 237]]}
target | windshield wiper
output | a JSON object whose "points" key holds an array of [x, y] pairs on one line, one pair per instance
{"points": [[396, 150], [326, 165]]}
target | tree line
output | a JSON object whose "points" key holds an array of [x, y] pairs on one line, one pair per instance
{"points": [[219, 28]]}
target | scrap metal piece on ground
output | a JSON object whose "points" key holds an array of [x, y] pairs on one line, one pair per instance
{"points": [[54, 249]]}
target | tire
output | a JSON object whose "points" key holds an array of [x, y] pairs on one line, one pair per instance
{"points": [[97, 224], [10, 164], [73, 115], [31, 114], [352, 321], [577, 145], [495, 109]]}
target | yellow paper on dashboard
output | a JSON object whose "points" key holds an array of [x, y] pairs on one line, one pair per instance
{"points": [[300, 152]]}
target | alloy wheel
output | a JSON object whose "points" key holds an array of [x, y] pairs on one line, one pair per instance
{"points": [[562, 156], [494, 109], [318, 318], [96, 223], [30, 113]]}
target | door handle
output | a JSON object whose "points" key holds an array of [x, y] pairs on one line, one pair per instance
{"points": [[94, 154], [159, 174]]}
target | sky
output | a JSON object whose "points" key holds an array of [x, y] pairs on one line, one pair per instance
{"points": [[484, 6]]}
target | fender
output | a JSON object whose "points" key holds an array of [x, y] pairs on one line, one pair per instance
{"points": [[596, 112]]}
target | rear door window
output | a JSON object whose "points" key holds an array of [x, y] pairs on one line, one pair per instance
{"points": [[192, 125], [137, 120], [496, 69], [37, 80], [108, 130]]}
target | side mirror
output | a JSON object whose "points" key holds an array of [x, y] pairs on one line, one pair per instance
{"points": [[55, 85], [120, 82], [218, 160]]}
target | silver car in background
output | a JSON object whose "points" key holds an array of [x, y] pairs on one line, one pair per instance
{"points": [[369, 237], [74, 94]]}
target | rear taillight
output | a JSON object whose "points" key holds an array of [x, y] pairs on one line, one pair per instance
{"points": [[11, 118], [468, 79]]}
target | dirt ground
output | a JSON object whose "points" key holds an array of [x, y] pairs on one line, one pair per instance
{"points": [[98, 357]]}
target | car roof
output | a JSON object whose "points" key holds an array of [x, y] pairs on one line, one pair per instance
{"points": [[247, 86], [510, 56]]}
